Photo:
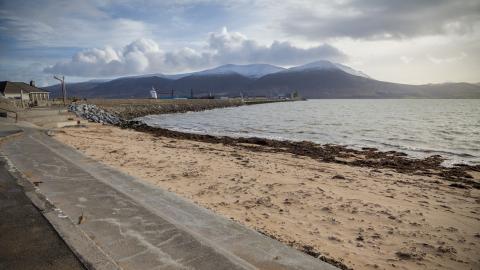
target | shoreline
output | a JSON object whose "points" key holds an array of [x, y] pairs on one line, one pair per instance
{"points": [[122, 112], [459, 174], [361, 217]]}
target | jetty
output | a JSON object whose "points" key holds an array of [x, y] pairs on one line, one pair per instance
{"points": [[132, 108]]}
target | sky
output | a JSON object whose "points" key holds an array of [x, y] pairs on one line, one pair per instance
{"points": [[408, 41]]}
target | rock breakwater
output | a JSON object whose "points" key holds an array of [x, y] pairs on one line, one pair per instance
{"points": [[130, 109], [95, 114]]}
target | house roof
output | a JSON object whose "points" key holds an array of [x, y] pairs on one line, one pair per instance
{"points": [[7, 87]]}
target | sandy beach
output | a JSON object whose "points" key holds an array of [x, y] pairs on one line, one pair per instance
{"points": [[364, 218]]}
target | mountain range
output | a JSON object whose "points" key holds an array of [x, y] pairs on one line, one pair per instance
{"points": [[320, 79]]}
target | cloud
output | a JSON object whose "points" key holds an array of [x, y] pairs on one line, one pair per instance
{"points": [[235, 47], [63, 23], [406, 59], [133, 58], [446, 60], [169, 36], [146, 56], [382, 19], [26, 73]]}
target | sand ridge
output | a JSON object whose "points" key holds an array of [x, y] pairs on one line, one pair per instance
{"points": [[365, 218]]}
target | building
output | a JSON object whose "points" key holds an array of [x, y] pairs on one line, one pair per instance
{"points": [[153, 93], [24, 94]]}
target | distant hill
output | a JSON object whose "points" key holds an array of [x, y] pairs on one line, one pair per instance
{"points": [[321, 79], [251, 71], [230, 84], [326, 65], [338, 84], [129, 87]]}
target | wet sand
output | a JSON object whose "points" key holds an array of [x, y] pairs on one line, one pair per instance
{"points": [[362, 217]]}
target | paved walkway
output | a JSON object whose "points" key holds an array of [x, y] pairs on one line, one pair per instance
{"points": [[139, 226], [27, 240]]}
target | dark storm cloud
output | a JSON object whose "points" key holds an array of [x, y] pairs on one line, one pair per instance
{"points": [[384, 19]]}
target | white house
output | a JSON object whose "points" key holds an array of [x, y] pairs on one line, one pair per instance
{"points": [[28, 94]]}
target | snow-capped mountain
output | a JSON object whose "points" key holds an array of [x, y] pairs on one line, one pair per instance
{"points": [[327, 65], [256, 71], [352, 71], [321, 79], [251, 71]]}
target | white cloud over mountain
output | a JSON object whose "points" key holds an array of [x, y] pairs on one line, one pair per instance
{"points": [[407, 41], [146, 56]]}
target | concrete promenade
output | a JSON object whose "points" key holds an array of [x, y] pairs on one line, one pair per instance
{"points": [[27, 240], [114, 221]]}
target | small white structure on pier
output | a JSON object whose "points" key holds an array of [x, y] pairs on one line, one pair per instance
{"points": [[153, 93]]}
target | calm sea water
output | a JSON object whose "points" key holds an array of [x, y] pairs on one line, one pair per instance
{"points": [[450, 128]]}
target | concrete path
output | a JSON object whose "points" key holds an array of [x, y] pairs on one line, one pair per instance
{"points": [[135, 225], [27, 240]]}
